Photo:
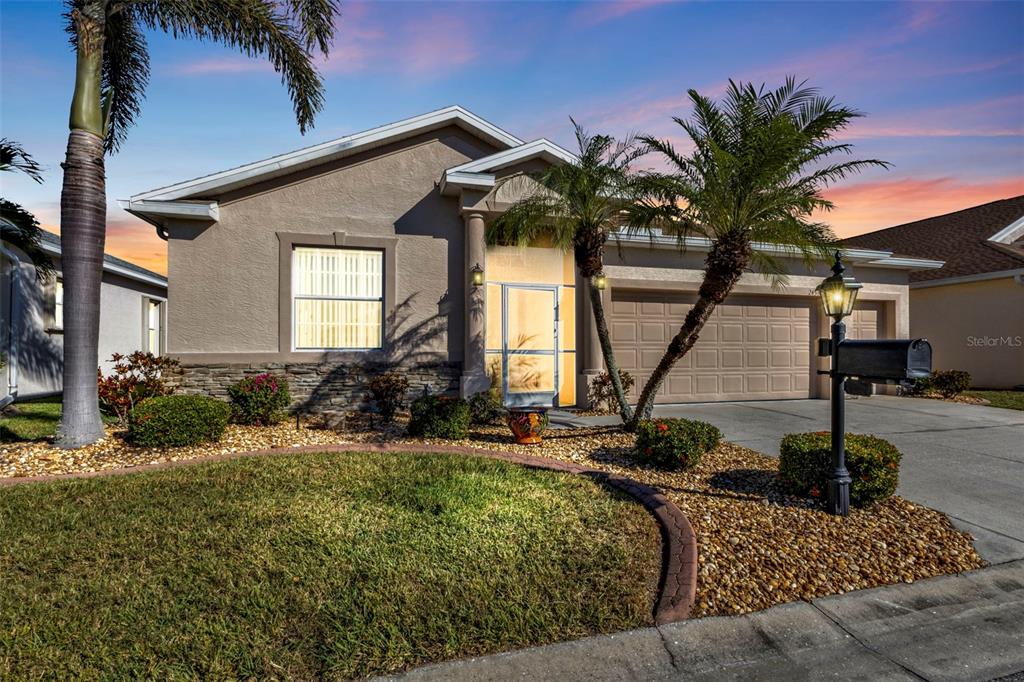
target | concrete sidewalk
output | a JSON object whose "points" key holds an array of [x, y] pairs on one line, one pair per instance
{"points": [[964, 460], [960, 627]]}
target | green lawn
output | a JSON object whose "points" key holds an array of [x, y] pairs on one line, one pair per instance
{"points": [[1011, 400], [307, 566], [34, 420]]}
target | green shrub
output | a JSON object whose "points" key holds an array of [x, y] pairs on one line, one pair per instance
{"points": [[434, 416], [176, 420], [950, 383], [259, 400], [805, 463], [675, 443], [485, 408], [388, 392], [601, 393]]}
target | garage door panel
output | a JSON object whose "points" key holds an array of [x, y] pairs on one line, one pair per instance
{"points": [[752, 348]]}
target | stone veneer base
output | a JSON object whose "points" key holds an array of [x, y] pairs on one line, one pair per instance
{"points": [[316, 387]]}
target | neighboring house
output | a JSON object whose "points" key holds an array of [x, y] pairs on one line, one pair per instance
{"points": [[132, 317], [972, 308], [339, 260]]}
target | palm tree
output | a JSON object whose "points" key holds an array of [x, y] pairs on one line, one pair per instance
{"points": [[759, 163], [578, 205], [18, 227], [112, 71]]}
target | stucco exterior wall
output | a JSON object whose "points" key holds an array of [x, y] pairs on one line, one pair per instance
{"points": [[40, 347], [974, 326], [225, 278]]}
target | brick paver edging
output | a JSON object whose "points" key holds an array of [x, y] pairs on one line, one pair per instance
{"points": [[677, 586]]}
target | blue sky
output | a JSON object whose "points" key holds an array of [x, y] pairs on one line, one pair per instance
{"points": [[942, 84]]}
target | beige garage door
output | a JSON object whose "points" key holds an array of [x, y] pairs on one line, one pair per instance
{"points": [[753, 348]]}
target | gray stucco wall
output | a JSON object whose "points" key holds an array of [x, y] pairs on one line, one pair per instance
{"points": [[225, 277]]}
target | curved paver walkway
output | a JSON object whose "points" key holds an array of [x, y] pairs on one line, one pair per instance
{"points": [[677, 586]]}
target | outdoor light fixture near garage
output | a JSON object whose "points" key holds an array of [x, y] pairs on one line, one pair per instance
{"points": [[600, 281], [886, 360], [476, 276]]}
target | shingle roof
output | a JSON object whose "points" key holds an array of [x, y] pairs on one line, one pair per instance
{"points": [[54, 240], [961, 239]]}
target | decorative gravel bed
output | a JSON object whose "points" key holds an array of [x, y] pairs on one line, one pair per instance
{"points": [[757, 546]]}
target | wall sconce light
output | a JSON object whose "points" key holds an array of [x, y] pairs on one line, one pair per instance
{"points": [[600, 281], [476, 276]]}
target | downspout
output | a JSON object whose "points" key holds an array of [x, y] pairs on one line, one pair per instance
{"points": [[12, 337]]}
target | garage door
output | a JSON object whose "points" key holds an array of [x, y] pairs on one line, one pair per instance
{"points": [[754, 348]]}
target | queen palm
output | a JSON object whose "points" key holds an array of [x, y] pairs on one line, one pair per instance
{"points": [[18, 227], [112, 71], [577, 205], [759, 163]]}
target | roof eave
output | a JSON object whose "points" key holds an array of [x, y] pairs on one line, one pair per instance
{"points": [[116, 269], [328, 151]]}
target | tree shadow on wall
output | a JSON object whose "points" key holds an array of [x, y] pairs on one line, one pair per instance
{"points": [[407, 346], [40, 357]]}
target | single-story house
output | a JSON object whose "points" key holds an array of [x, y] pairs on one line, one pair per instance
{"points": [[972, 308], [348, 257], [132, 317]]}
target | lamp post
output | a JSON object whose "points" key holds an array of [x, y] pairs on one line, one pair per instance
{"points": [[838, 293]]}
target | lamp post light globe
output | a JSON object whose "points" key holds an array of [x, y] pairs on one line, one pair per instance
{"points": [[838, 294], [600, 281]]}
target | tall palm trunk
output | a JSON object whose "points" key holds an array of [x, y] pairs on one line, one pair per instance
{"points": [[610, 364], [83, 209], [724, 266], [588, 250]]}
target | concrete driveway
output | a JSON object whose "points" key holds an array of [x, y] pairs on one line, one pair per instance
{"points": [[964, 460]]}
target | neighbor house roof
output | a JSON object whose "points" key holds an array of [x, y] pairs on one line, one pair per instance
{"points": [[972, 242], [113, 264]]}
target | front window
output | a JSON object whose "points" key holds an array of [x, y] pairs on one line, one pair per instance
{"points": [[337, 298], [58, 305], [153, 310]]}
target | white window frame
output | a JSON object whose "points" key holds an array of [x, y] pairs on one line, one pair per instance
{"points": [[58, 304], [148, 305], [296, 297]]}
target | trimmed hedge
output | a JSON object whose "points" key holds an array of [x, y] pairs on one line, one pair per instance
{"points": [[435, 416], [485, 407], [949, 383], [805, 462], [177, 420], [260, 400], [675, 443]]}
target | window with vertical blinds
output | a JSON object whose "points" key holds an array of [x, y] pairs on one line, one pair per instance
{"points": [[337, 298]]}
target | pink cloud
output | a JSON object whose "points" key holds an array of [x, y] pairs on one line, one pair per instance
{"points": [[595, 12], [868, 206], [129, 238], [223, 65]]}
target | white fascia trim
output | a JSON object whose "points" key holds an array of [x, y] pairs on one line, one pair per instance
{"points": [[509, 157], [1017, 274], [338, 148], [867, 256], [481, 181], [186, 210], [1010, 233], [117, 269]]}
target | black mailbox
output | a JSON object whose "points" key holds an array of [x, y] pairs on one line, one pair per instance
{"points": [[887, 359]]}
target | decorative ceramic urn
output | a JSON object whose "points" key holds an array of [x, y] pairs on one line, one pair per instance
{"points": [[527, 424]]}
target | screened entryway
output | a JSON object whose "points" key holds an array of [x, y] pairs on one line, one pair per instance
{"points": [[531, 325]]}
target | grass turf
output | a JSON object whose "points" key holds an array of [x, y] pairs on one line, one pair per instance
{"points": [[33, 421], [302, 566], [1010, 400]]}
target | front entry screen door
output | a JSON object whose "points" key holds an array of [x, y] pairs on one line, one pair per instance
{"points": [[529, 321]]}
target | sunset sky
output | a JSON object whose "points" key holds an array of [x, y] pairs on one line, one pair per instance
{"points": [[942, 84]]}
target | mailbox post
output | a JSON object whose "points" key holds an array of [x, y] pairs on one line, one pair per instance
{"points": [[838, 294]]}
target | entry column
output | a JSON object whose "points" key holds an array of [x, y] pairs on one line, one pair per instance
{"points": [[474, 376]]}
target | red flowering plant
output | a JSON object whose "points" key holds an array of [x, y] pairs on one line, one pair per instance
{"points": [[675, 443], [260, 399], [134, 378]]}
